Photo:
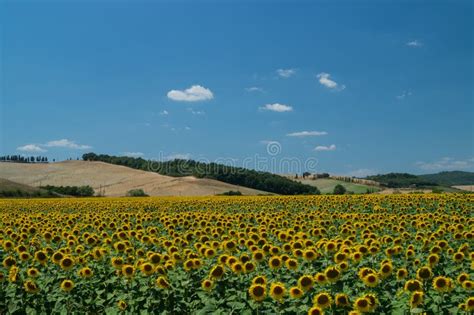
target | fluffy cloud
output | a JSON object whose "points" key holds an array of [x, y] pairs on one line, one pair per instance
{"points": [[196, 112], [307, 133], [332, 147], [193, 94], [286, 73], [280, 108], [31, 148], [254, 89], [327, 82], [133, 154], [164, 112], [404, 95], [446, 164], [414, 43], [65, 143]]}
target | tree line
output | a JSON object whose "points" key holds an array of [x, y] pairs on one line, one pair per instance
{"points": [[401, 180], [23, 159], [264, 181], [76, 191]]}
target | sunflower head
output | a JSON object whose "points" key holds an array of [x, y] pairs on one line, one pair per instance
{"points": [[402, 273], [207, 285], [342, 300], [147, 268], [122, 305], [323, 300], [216, 272], [296, 292], [463, 277], [67, 263], [315, 310], [470, 304], [162, 283], [31, 287], [277, 291], [442, 284], [86, 272], [259, 280], [416, 299], [67, 285], [305, 282], [257, 292], [275, 262], [424, 273], [291, 264], [33, 272], [128, 271], [413, 285], [332, 274], [362, 304]]}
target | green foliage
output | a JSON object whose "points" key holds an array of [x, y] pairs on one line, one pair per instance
{"points": [[401, 180], [232, 193], [76, 191], [229, 174], [10, 189], [136, 193], [19, 193], [450, 178], [23, 159], [339, 190]]}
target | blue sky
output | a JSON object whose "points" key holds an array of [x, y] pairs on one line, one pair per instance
{"points": [[360, 87]]}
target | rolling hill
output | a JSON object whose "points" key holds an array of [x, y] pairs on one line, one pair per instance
{"points": [[326, 185], [114, 180], [260, 180], [10, 188], [453, 178], [445, 181]]}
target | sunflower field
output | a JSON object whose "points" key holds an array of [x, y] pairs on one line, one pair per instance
{"points": [[350, 254]]}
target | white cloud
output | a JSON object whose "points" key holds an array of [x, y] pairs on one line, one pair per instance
{"points": [[446, 164], [193, 94], [280, 108], [332, 147], [404, 95], [178, 156], [286, 73], [414, 43], [133, 154], [164, 112], [327, 82], [307, 133], [187, 128], [254, 89], [31, 148], [196, 112], [65, 143]]}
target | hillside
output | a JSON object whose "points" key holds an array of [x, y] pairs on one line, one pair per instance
{"points": [[10, 188], [264, 181], [326, 185], [453, 178], [114, 180], [401, 180]]}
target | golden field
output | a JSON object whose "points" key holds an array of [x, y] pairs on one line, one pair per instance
{"points": [[380, 254]]}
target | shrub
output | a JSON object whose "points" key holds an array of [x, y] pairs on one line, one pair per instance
{"points": [[136, 193], [339, 190], [232, 193]]}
